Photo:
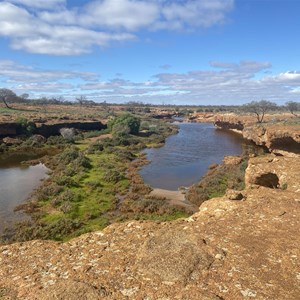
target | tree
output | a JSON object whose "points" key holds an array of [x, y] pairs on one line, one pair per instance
{"points": [[6, 94], [259, 108], [127, 121], [293, 107], [81, 100], [24, 96]]}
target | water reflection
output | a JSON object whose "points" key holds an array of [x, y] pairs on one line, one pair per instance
{"points": [[185, 157]]}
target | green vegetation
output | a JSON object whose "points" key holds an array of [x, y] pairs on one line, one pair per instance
{"points": [[259, 108], [217, 180], [95, 182], [27, 126], [124, 125]]}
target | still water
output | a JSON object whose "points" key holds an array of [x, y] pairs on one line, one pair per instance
{"points": [[186, 156], [17, 181]]}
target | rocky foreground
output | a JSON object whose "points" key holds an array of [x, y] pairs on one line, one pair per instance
{"points": [[230, 249], [245, 245]]}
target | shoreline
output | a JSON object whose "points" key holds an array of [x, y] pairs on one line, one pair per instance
{"points": [[176, 198]]}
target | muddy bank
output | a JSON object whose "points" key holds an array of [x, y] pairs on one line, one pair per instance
{"points": [[175, 198]]}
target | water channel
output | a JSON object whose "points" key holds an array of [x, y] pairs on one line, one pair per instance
{"points": [[182, 161], [186, 156], [17, 181]]}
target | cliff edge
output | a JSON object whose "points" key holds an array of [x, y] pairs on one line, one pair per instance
{"points": [[230, 249], [280, 138]]}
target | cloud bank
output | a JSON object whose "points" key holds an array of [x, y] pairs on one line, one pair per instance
{"points": [[51, 27], [223, 83]]}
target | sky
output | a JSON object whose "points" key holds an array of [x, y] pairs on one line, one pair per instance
{"points": [[195, 52]]}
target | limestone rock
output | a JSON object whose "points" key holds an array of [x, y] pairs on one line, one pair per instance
{"points": [[274, 172], [232, 160], [234, 195], [11, 141], [228, 250]]}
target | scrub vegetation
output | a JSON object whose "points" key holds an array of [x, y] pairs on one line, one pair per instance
{"points": [[94, 181]]}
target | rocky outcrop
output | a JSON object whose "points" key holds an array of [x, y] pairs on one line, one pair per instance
{"points": [[281, 139], [228, 125], [228, 250], [54, 129], [46, 130], [274, 172], [11, 141]]}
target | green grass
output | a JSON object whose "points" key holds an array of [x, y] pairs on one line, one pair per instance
{"points": [[95, 196], [87, 183]]}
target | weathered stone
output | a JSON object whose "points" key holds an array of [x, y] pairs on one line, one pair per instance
{"points": [[228, 250], [38, 138], [11, 141], [234, 195], [232, 160]]}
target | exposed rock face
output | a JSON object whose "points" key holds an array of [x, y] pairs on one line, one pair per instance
{"points": [[274, 172], [46, 130], [228, 250], [275, 138], [11, 141], [228, 125], [281, 139], [54, 129]]}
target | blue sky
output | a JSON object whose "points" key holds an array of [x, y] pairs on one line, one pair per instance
{"points": [[154, 51]]}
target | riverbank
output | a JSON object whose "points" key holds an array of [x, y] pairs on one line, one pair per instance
{"points": [[230, 249], [93, 183], [244, 244], [175, 198], [281, 138]]}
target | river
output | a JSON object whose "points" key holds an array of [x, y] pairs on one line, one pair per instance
{"points": [[17, 181], [186, 156]]}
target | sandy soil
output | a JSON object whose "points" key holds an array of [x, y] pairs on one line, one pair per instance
{"points": [[175, 197]]}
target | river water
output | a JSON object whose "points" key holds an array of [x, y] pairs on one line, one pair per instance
{"points": [[186, 156], [17, 181]]}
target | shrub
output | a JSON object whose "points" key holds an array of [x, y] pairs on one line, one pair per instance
{"points": [[66, 207], [27, 126], [112, 176], [57, 140], [95, 147], [66, 181], [68, 156], [81, 161], [125, 121]]}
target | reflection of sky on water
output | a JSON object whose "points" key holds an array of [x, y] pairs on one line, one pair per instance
{"points": [[16, 184], [185, 157]]}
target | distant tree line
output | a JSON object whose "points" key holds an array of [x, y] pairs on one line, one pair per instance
{"points": [[259, 108]]}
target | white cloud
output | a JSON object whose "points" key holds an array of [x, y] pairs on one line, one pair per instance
{"points": [[22, 78], [36, 36], [227, 83], [206, 13], [50, 27], [128, 14], [20, 73], [41, 4]]}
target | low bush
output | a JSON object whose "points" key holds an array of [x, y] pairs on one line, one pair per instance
{"points": [[112, 176], [68, 156], [66, 181]]}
